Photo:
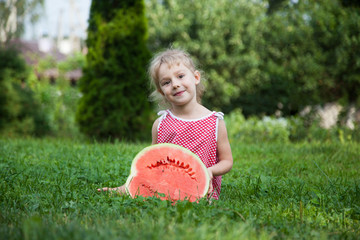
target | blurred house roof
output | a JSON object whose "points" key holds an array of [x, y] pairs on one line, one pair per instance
{"points": [[32, 53], [74, 74]]}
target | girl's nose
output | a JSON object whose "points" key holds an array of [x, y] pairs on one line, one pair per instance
{"points": [[176, 84]]}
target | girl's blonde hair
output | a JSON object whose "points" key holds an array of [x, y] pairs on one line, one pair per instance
{"points": [[171, 57]]}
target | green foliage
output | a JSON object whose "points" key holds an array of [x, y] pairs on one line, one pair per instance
{"points": [[315, 56], [46, 63], [275, 5], [11, 67], [19, 111], [257, 57], [300, 131], [76, 61], [254, 130], [221, 35], [29, 107], [338, 36], [274, 191], [284, 130], [58, 104], [29, 120], [114, 86], [290, 66]]}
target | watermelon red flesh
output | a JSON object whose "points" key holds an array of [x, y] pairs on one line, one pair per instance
{"points": [[169, 172]]}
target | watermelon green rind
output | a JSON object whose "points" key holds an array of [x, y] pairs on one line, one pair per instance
{"points": [[134, 172]]}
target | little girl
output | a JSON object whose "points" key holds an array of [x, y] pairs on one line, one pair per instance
{"points": [[186, 122]]}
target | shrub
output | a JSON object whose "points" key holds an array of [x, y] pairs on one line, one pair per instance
{"points": [[29, 107], [222, 35], [11, 67], [20, 112], [255, 130], [58, 104], [255, 60], [281, 130], [305, 129], [114, 85]]}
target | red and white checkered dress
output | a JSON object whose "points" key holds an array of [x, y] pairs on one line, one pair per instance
{"points": [[198, 135]]}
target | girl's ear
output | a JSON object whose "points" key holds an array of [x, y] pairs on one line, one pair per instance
{"points": [[197, 76]]}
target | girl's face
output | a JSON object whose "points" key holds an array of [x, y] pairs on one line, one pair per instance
{"points": [[178, 83]]}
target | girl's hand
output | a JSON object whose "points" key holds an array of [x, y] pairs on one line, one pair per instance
{"points": [[120, 190], [211, 188]]}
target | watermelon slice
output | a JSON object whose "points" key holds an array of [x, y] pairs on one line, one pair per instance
{"points": [[168, 171]]}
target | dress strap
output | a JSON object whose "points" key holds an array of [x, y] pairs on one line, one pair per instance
{"points": [[219, 115], [162, 114]]}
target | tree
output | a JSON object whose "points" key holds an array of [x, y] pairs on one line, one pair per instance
{"points": [[297, 53], [222, 35], [13, 14], [290, 64], [11, 67], [114, 86], [20, 112], [275, 5]]}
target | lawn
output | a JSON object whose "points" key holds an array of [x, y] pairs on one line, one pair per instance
{"points": [[274, 191]]}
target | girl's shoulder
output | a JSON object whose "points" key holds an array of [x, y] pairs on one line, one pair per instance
{"points": [[163, 113], [219, 115], [200, 116], [206, 113]]}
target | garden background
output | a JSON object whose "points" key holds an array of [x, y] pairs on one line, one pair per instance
{"points": [[273, 67]]}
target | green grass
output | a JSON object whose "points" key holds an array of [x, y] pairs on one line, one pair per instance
{"points": [[274, 191]]}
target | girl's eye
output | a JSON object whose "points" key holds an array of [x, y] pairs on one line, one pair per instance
{"points": [[165, 83], [181, 75]]}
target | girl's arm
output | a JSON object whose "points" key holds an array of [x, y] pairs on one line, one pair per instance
{"points": [[121, 189], [154, 131], [224, 152]]}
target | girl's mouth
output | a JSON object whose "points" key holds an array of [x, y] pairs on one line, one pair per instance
{"points": [[179, 93]]}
